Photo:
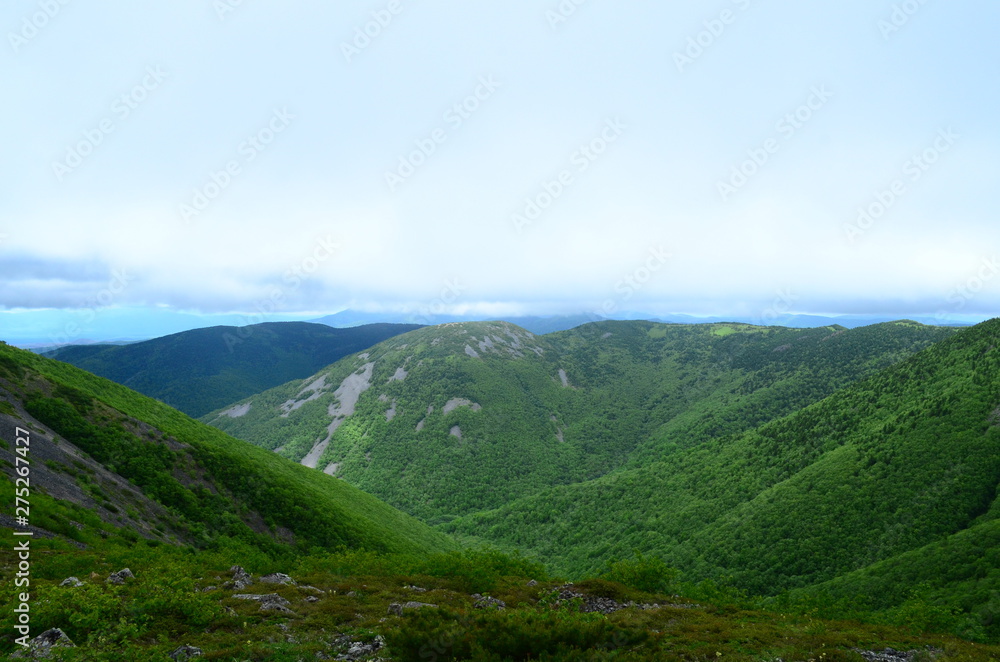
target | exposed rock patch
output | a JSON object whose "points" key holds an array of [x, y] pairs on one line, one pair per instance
{"points": [[455, 431], [347, 395], [237, 410], [455, 403], [315, 389]]}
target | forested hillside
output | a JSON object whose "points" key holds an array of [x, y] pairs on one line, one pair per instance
{"points": [[892, 464], [455, 419], [107, 456], [200, 370]]}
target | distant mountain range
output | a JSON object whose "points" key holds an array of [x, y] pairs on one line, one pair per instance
{"points": [[542, 324]]}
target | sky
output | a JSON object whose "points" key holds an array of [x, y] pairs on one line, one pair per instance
{"points": [[254, 160]]}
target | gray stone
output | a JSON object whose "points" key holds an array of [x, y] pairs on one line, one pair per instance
{"points": [[120, 576], [185, 652], [41, 646], [278, 578], [398, 609]]}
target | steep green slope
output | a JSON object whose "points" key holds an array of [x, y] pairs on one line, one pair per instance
{"points": [[890, 464], [94, 437], [533, 411], [203, 369], [959, 576]]}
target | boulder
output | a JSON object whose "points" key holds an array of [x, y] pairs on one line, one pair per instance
{"points": [[120, 576], [241, 579], [278, 578], [398, 609], [41, 646], [185, 652]]}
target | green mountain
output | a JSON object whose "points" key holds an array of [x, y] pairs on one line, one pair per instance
{"points": [[201, 370], [459, 418], [120, 480], [894, 470], [103, 456]]}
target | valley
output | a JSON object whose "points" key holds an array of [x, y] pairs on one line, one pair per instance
{"points": [[726, 476]]}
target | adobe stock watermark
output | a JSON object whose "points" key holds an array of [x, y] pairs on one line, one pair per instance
{"points": [[95, 305], [786, 128], [292, 279], [913, 170], [247, 152], [454, 118], [121, 109], [224, 8], [562, 12], [901, 14], [579, 162], [713, 30], [33, 24], [964, 292], [453, 290], [371, 30], [632, 282], [781, 305]]}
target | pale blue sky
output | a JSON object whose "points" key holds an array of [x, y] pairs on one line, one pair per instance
{"points": [[162, 97]]}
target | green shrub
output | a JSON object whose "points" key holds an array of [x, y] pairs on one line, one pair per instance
{"points": [[645, 573]]}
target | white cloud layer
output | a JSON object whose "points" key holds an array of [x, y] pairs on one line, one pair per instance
{"points": [[222, 158]]}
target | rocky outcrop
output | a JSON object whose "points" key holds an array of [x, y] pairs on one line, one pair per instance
{"points": [[120, 576], [185, 653], [348, 649], [41, 646], [397, 609], [268, 602], [486, 602], [278, 578], [893, 655], [241, 579]]}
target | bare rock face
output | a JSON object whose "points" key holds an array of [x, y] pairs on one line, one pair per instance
{"points": [[41, 646], [72, 582]]}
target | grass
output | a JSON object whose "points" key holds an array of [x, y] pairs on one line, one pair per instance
{"points": [[178, 597]]}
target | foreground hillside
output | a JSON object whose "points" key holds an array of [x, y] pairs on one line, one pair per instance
{"points": [[203, 369], [899, 470], [179, 605], [454, 419], [104, 456]]}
